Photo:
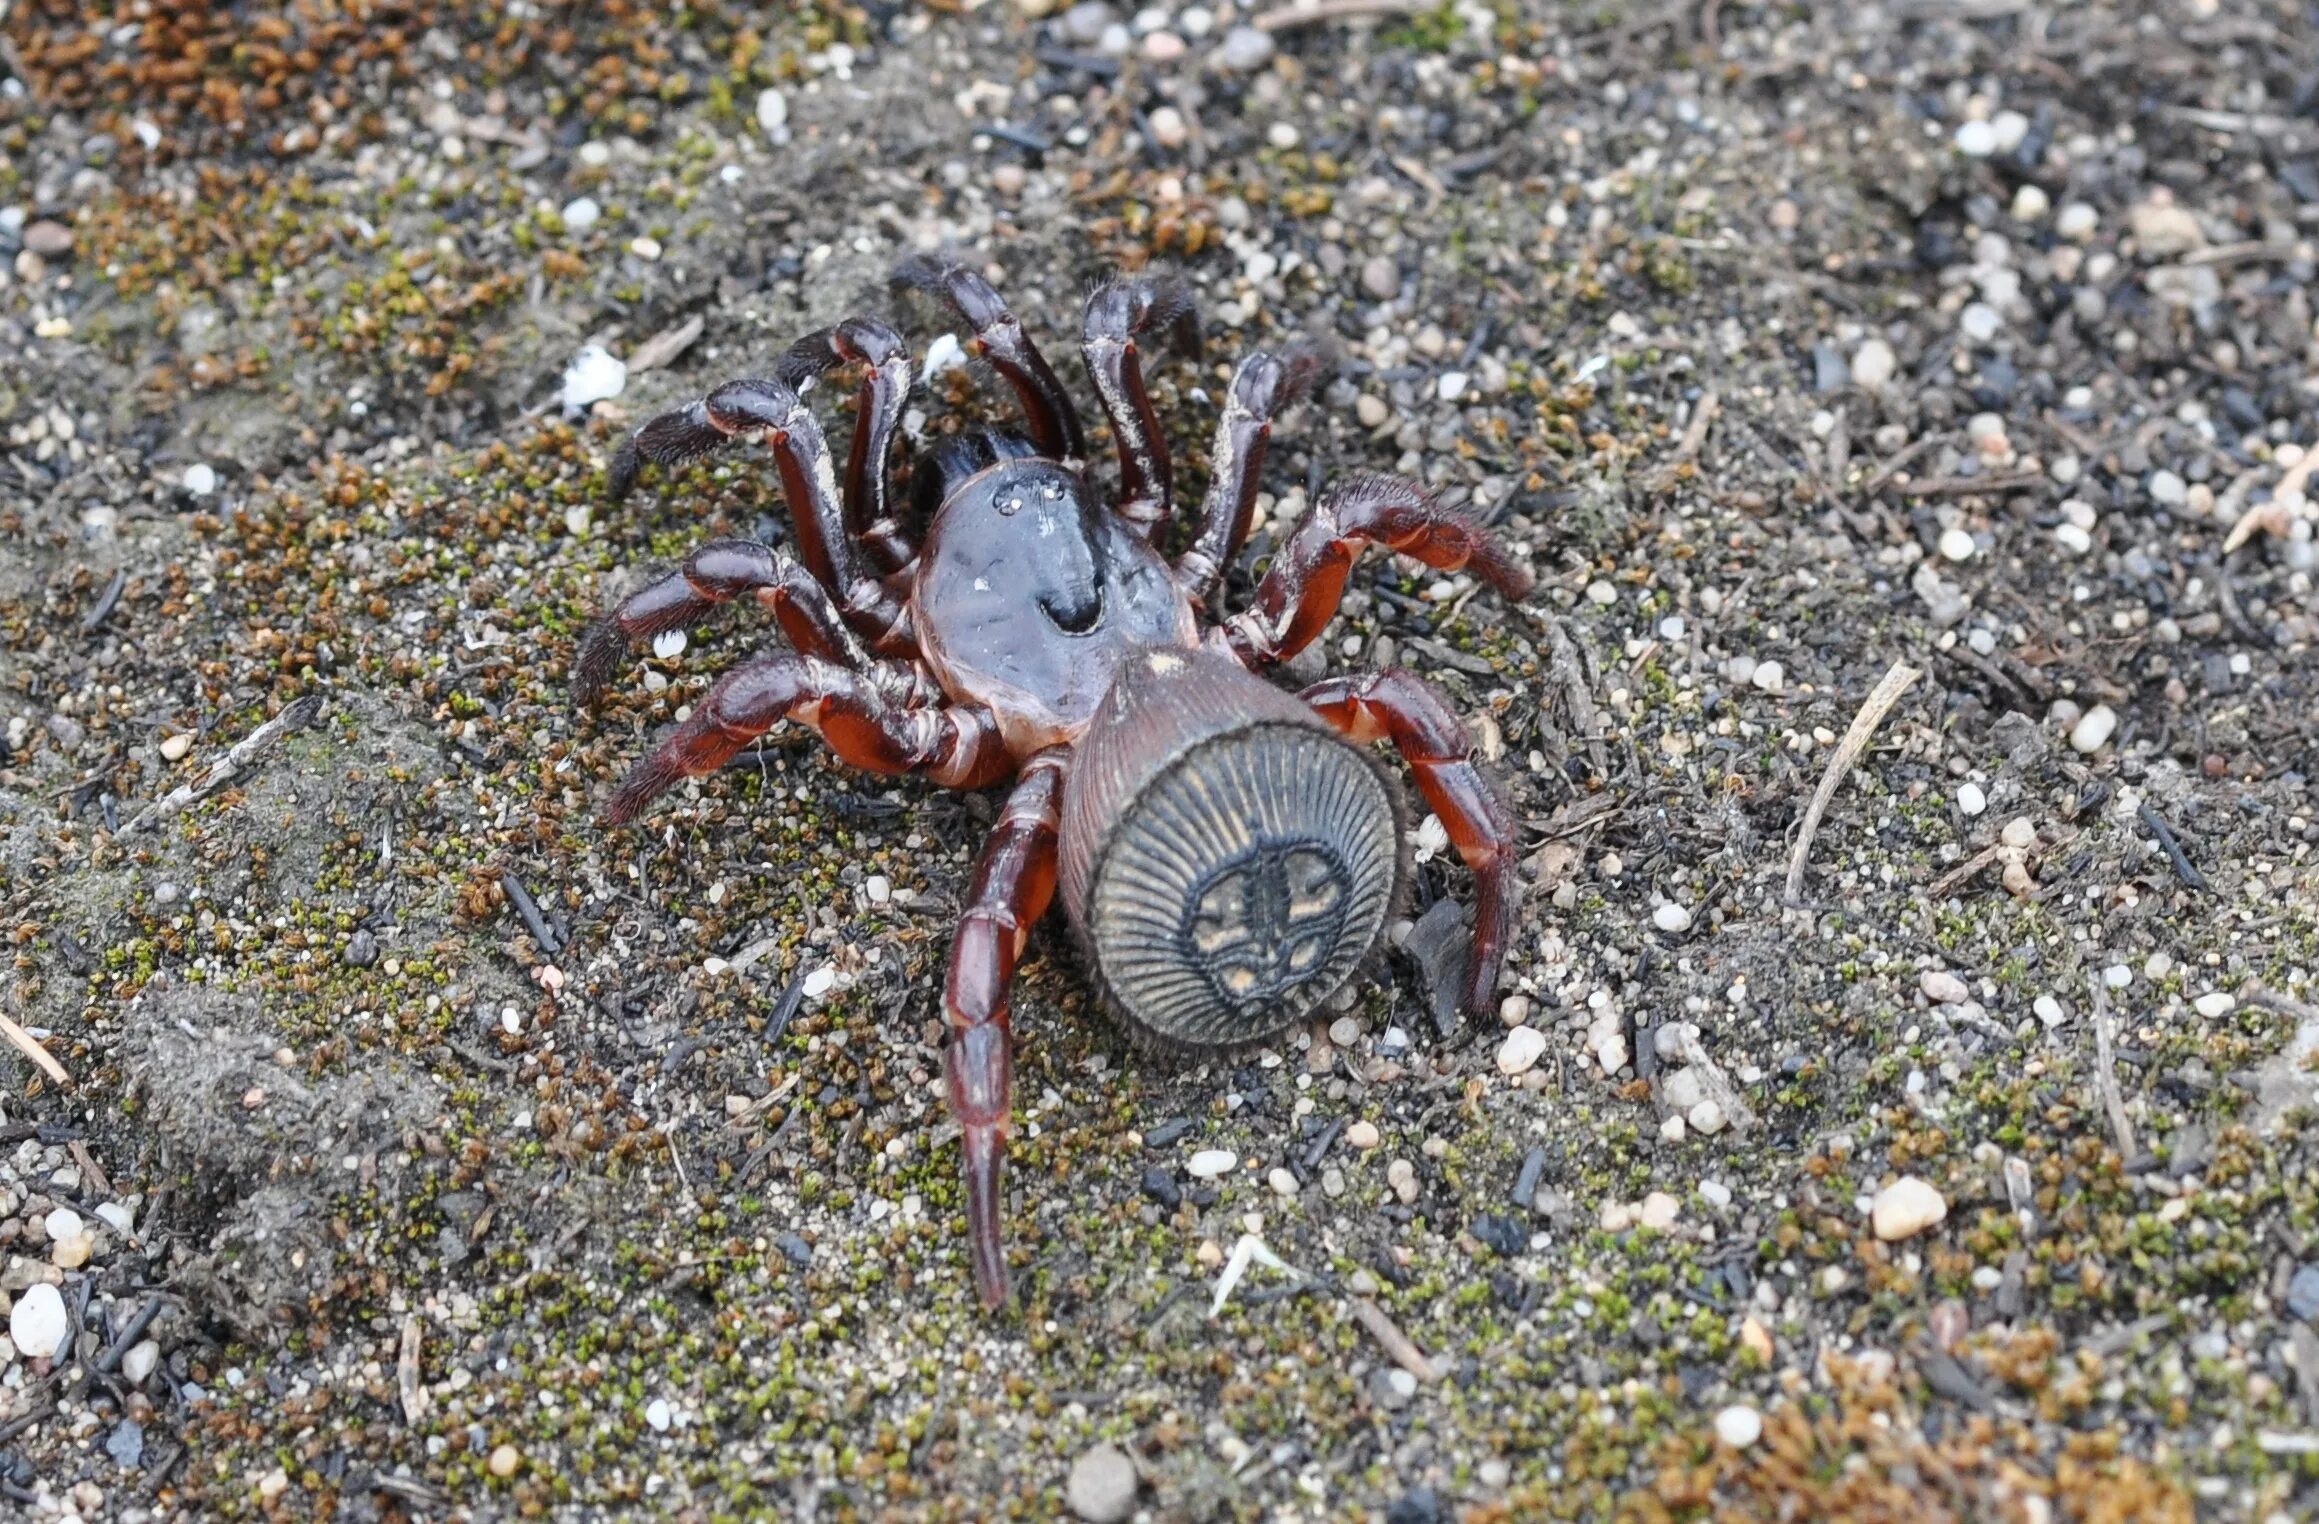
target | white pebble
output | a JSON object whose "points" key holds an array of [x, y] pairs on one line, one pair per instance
{"points": [[1980, 322], [772, 111], [1943, 988], [2077, 221], [117, 1217], [2218, 1003], [879, 888], [2168, 489], [581, 213], [1659, 1211], [1612, 1053], [1906, 1208], [1715, 1193], [38, 1324], [2049, 1010], [656, 1413], [2030, 204], [1770, 676], [1209, 1163], [820, 982], [1873, 364], [1521, 1050], [1451, 386], [1282, 1182], [63, 1223], [2093, 730], [2073, 539], [176, 746], [143, 1358], [2008, 129], [1671, 918], [200, 479], [595, 375], [1707, 1117], [1739, 1426], [1976, 140], [1971, 800], [1956, 545], [669, 644]]}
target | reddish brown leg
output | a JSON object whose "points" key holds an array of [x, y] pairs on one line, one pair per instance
{"points": [[998, 338], [959, 746], [877, 415], [769, 410], [1401, 707], [719, 572], [1118, 313], [1301, 588], [1262, 388], [1012, 886]]}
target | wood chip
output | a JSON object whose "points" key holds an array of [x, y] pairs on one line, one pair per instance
{"points": [[665, 345], [30, 1048], [407, 1374], [1309, 12], [1399, 1345], [1886, 694]]}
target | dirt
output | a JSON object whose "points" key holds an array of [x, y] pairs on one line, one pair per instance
{"points": [[429, 1150]]}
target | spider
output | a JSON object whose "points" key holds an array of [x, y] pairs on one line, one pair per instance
{"points": [[1228, 853]]}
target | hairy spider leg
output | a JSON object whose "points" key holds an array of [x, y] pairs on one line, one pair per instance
{"points": [[998, 338], [1013, 884], [1118, 313], [1301, 588], [885, 387], [958, 746], [1262, 388], [1397, 705]]}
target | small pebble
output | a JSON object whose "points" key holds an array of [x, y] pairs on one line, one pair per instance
{"points": [[173, 748], [1169, 128], [1943, 988], [644, 246], [504, 1461], [1971, 800], [1402, 1176], [1715, 1193], [1906, 1208], [1371, 410], [1707, 1118], [2030, 203], [1282, 1182], [1381, 278], [1976, 140], [1979, 322], [200, 479], [142, 1359], [1209, 1163], [2008, 130], [595, 375], [37, 1324], [1956, 545], [656, 1413], [2020, 831], [581, 213], [2077, 221], [1521, 1050], [1671, 918], [1102, 1485], [2218, 1003], [2302, 1294], [1873, 364], [772, 111], [1363, 1135], [1245, 49], [1739, 1426], [1770, 676], [1659, 1211], [2093, 730], [2049, 1010]]}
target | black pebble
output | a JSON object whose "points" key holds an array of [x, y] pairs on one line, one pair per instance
{"points": [[1160, 1185], [1508, 1235]]}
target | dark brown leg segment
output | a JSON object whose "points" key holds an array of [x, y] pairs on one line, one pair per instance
{"points": [[877, 415], [998, 338], [959, 747], [1012, 887], [1301, 588], [769, 410], [719, 572], [1403, 708], [1118, 313], [1262, 389]]}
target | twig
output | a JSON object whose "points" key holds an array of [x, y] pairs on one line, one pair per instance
{"points": [[110, 1357], [1694, 435], [2233, 253], [2183, 869], [1880, 701], [1947, 883], [407, 1374], [1736, 1112], [295, 718], [2106, 1073], [91, 1171], [1566, 666], [1900, 458], [106, 602], [1961, 486], [30, 1048], [549, 943], [1306, 12], [1399, 1345]]}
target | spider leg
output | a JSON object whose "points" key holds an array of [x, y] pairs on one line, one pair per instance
{"points": [[1118, 312], [958, 746], [1399, 706], [877, 416], [1300, 589], [719, 572], [1013, 884], [998, 338], [1262, 388]]}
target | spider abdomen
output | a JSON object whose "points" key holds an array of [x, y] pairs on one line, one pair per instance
{"points": [[1226, 860]]}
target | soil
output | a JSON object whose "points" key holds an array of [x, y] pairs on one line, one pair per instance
{"points": [[424, 1149]]}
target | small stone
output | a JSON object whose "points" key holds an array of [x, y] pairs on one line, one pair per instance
{"points": [[1681, 1089], [1521, 1050], [1659, 1211], [1102, 1485], [1451, 386], [1211, 1163], [2020, 832], [2030, 203], [772, 111], [2008, 130], [1163, 47], [657, 1414], [1707, 1118], [2218, 1003], [2077, 221], [1282, 1182], [2093, 730], [48, 238], [1009, 179], [1612, 1053], [1402, 1176], [1363, 1135], [1972, 799], [581, 213], [1979, 322], [200, 479], [1873, 364], [1169, 128], [38, 1324], [1739, 1426], [1371, 410], [1381, 278], [1245, 49], [2168, 490], [1976, 140], [1770, 676], [63, 1223], [504, 1461], [174, 748], [1756, 1340], [819, 983], [1906, 1208], [879, 889], [644, 246], [142, 1359], [1715, 1193], [2163, 230], [595, 375], [117, 1217], [1956, 545], [1671, 918], [1160, 1185], [1514, 1010], [2303, 1293], [272, 1485], [1674, 1130], [1943, 988], [2049, 1010], [72, 1253]]}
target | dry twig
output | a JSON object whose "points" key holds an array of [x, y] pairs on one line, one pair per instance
{"points": [[221, 772], [1880, 701], [1399, 1345], [1308, 12], [2106, 1073], [31, 1048], [414, 1395]]}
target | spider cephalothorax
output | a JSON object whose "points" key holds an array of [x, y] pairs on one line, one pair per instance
{"points": [[1226, 859]]}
